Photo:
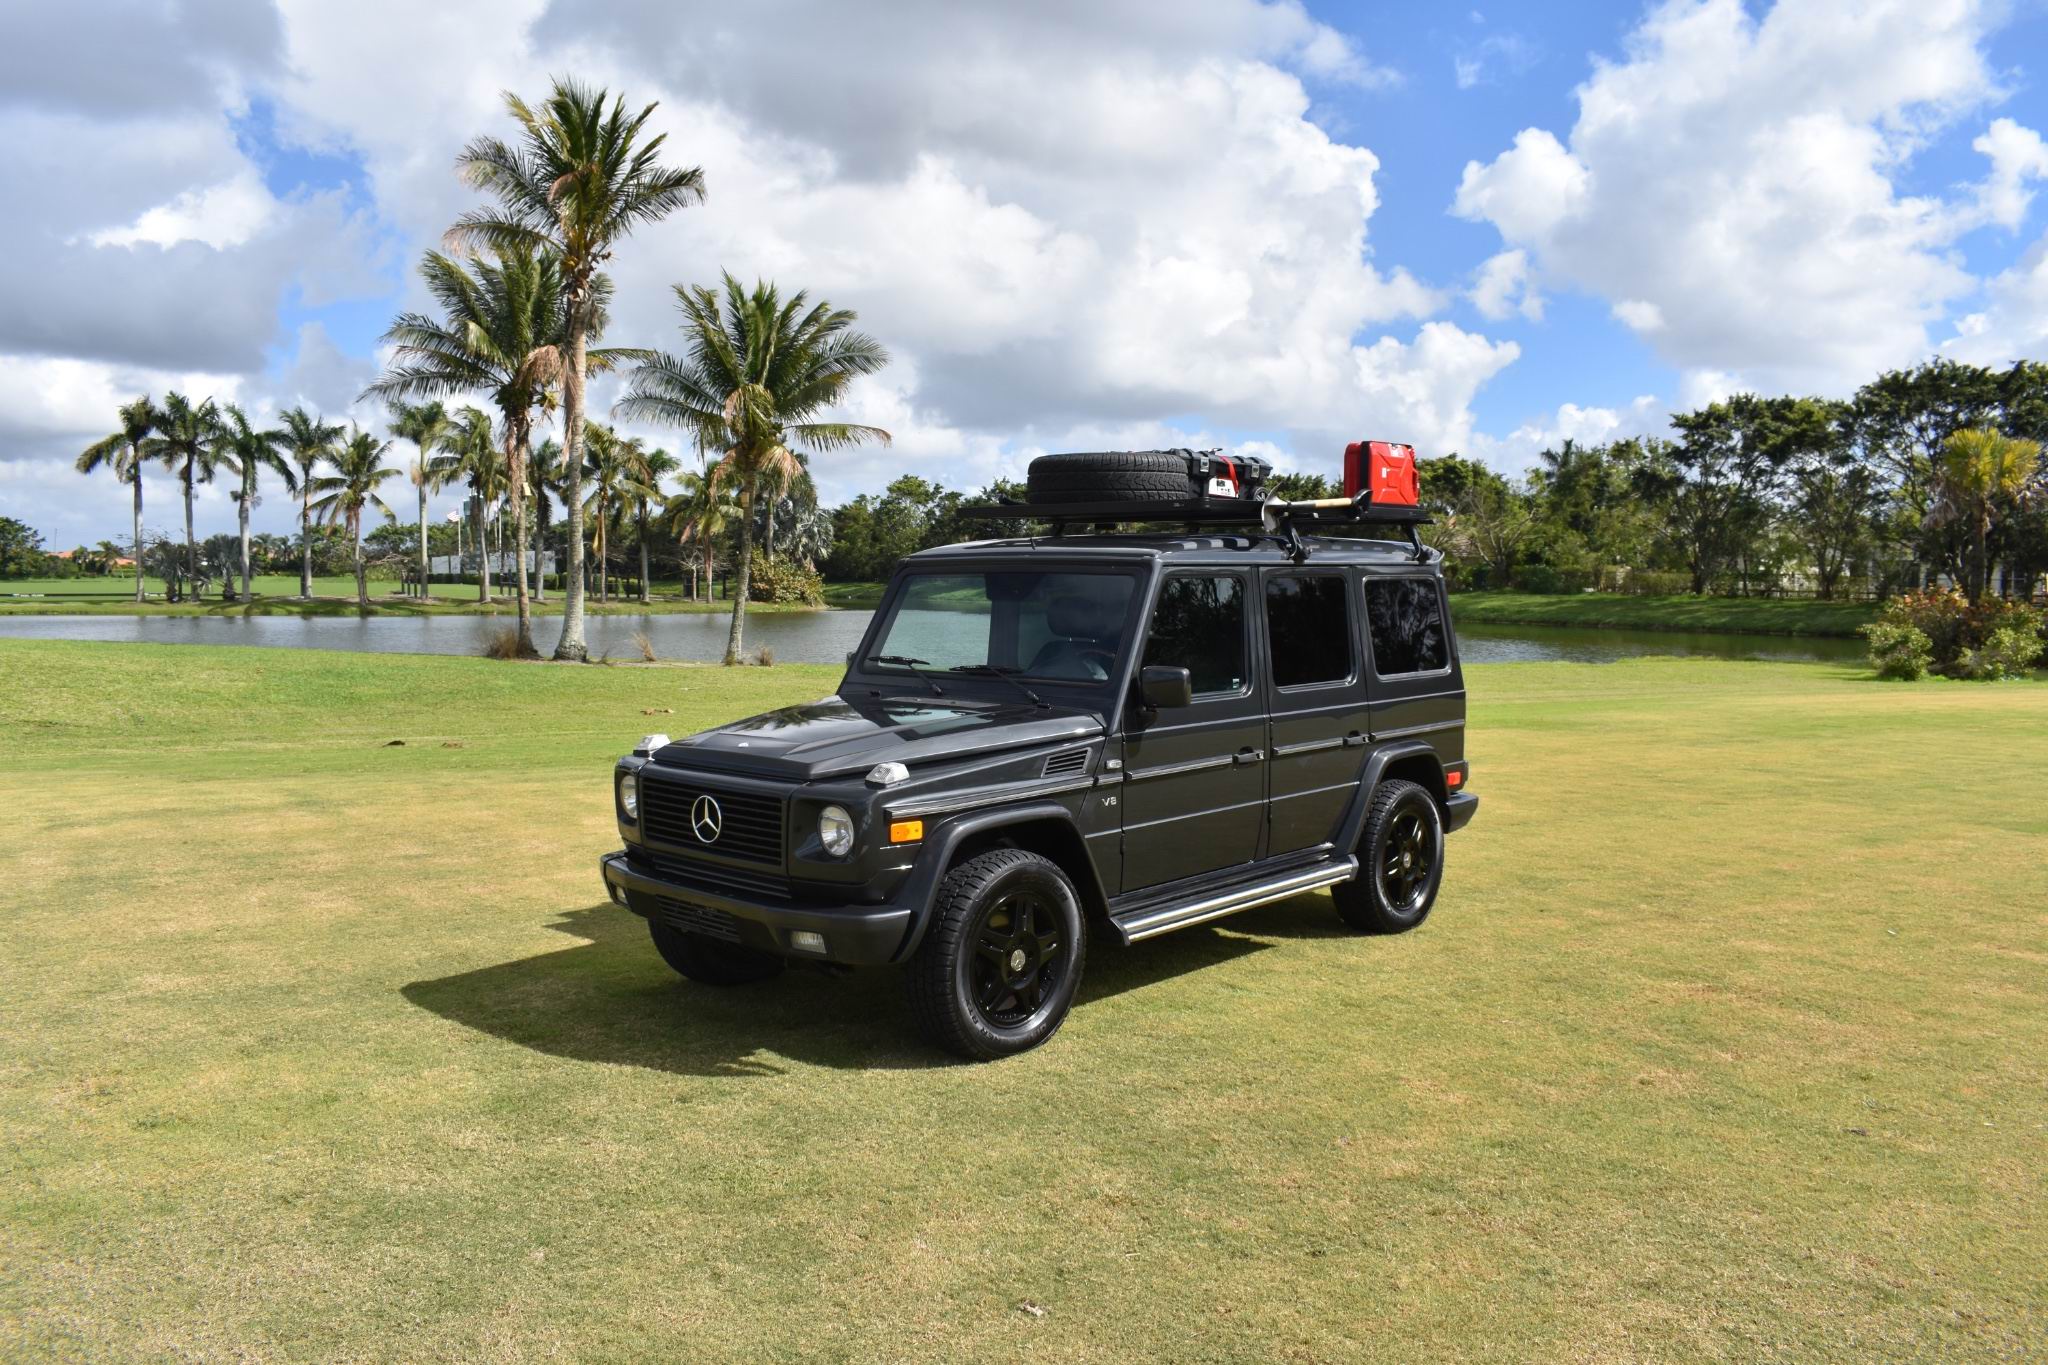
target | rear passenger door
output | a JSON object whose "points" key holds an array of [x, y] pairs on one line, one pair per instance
{"points": [[1316, 693], [1415, 685], [1194, 776]]}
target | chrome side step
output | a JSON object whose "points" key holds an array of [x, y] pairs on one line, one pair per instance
{"points": [[1151, 923]]}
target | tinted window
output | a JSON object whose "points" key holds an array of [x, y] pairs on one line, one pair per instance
{"points": [[1199, 626], [1308, 629], [1061, 626], [1407, 620]]}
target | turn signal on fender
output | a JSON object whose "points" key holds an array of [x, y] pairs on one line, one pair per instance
{"points": [[905, 831]]}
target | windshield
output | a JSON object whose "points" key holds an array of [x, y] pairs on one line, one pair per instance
{"points": [[1054, 627]]}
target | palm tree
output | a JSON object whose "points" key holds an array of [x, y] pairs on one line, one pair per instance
{"points": [[698, 515], [654, 466], [352, 487], [615, 467], [122, 453], [1978, 473], [184, 444], [788, 488], [309, 442], [543, 468], [245, 450], [469, 452], [423, 424], [580, 177], [500, 336], [755, 376]]}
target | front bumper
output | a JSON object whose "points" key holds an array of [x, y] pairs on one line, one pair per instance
{"points": [[1459, 810], [853, 934]]}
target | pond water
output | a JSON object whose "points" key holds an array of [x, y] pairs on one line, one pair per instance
{"points": [[814, 637]]}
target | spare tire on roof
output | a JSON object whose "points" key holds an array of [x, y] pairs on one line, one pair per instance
{"points": [[1112, 476]]}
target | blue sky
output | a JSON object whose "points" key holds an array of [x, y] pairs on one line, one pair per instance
{"points": [[1074, 224]]}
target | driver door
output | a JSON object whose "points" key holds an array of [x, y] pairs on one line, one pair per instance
{"points": [[1194, 789]]}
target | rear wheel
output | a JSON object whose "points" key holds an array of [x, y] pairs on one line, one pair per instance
{"points": [[1400, 862], [1001, 959], [710, 961]]}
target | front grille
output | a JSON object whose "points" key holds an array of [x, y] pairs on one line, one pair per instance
{"points": [[709, 876], [699, 919], [749, 824]]}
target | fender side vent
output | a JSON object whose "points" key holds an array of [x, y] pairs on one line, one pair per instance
{"points": [[1061, 764]]}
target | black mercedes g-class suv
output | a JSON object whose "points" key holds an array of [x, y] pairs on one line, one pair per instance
{"points": [[1052, 737]]}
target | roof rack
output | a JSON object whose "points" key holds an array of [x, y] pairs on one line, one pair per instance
{"points": [[1283, 521]]}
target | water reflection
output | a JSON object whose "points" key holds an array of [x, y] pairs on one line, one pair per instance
{"points": [[812, 637]]}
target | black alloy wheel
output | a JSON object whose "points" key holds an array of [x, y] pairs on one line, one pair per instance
{"points": [[1000, 961], [1408, 861], [1018, 956], [1400, 862]]}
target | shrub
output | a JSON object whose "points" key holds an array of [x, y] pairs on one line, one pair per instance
{"points": [[2008, 653], [1654, 583], [1959, 634], [764, 657], [503, 645], [646, 645], [1548, 578], [1897, 651], [784, 582]]}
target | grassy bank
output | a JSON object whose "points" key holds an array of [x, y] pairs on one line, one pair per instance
{"points": [[1726, 1041], [1609, 611], [276, 595]]}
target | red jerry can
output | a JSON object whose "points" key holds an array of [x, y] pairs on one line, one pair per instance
{"points": [[1384, 468]]}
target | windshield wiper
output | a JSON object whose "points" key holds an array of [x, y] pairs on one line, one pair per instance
{"points": [[916, 666], [1008, 675]]}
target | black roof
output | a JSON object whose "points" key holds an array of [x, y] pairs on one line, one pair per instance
{"points": [[1198, 547]]}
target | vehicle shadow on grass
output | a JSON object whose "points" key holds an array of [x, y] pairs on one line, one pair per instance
{"points": [[612, 999]]}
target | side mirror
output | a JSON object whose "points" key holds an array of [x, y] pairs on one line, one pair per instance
{"points": [[1162, 687]]}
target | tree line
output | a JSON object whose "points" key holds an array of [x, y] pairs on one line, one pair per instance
{"points": [[1925, 473]]}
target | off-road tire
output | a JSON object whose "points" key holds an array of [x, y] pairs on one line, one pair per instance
{"points": [[1385, 897], [709, 962], [1110, 476], [948, 974]]}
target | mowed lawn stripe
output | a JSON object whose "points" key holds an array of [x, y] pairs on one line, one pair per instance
{"points": [[1727, 1039]]}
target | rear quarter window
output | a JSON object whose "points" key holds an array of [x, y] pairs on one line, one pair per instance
{"points": [[1406, 618]]}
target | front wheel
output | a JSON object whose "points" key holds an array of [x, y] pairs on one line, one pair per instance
{"points": [[1001, 960], [1400, 862], [710, 962]]}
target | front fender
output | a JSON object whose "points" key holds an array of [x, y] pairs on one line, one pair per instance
{"points": [[921, 888]]}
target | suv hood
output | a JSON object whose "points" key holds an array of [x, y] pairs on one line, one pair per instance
{"points": [[834, 735]]}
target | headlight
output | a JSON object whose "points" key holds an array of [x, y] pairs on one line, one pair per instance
{"points": [[835, 831], [629, 796]]}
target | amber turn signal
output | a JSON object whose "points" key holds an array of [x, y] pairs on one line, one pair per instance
{"points": [[905, 831]]}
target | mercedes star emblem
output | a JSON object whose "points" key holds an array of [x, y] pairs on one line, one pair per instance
{"points": [[705, 818]]}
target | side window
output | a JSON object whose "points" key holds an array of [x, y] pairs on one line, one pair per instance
{"points": [[1407, 620], [1308, 629], [1199, 625]]}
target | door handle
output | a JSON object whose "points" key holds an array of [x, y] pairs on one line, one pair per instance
{"points": [[1353, 739], [1250, 755]]}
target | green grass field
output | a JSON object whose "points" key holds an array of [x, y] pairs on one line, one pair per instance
{"points": [[1728, 1040], [1741, 615], [277, 595]]}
